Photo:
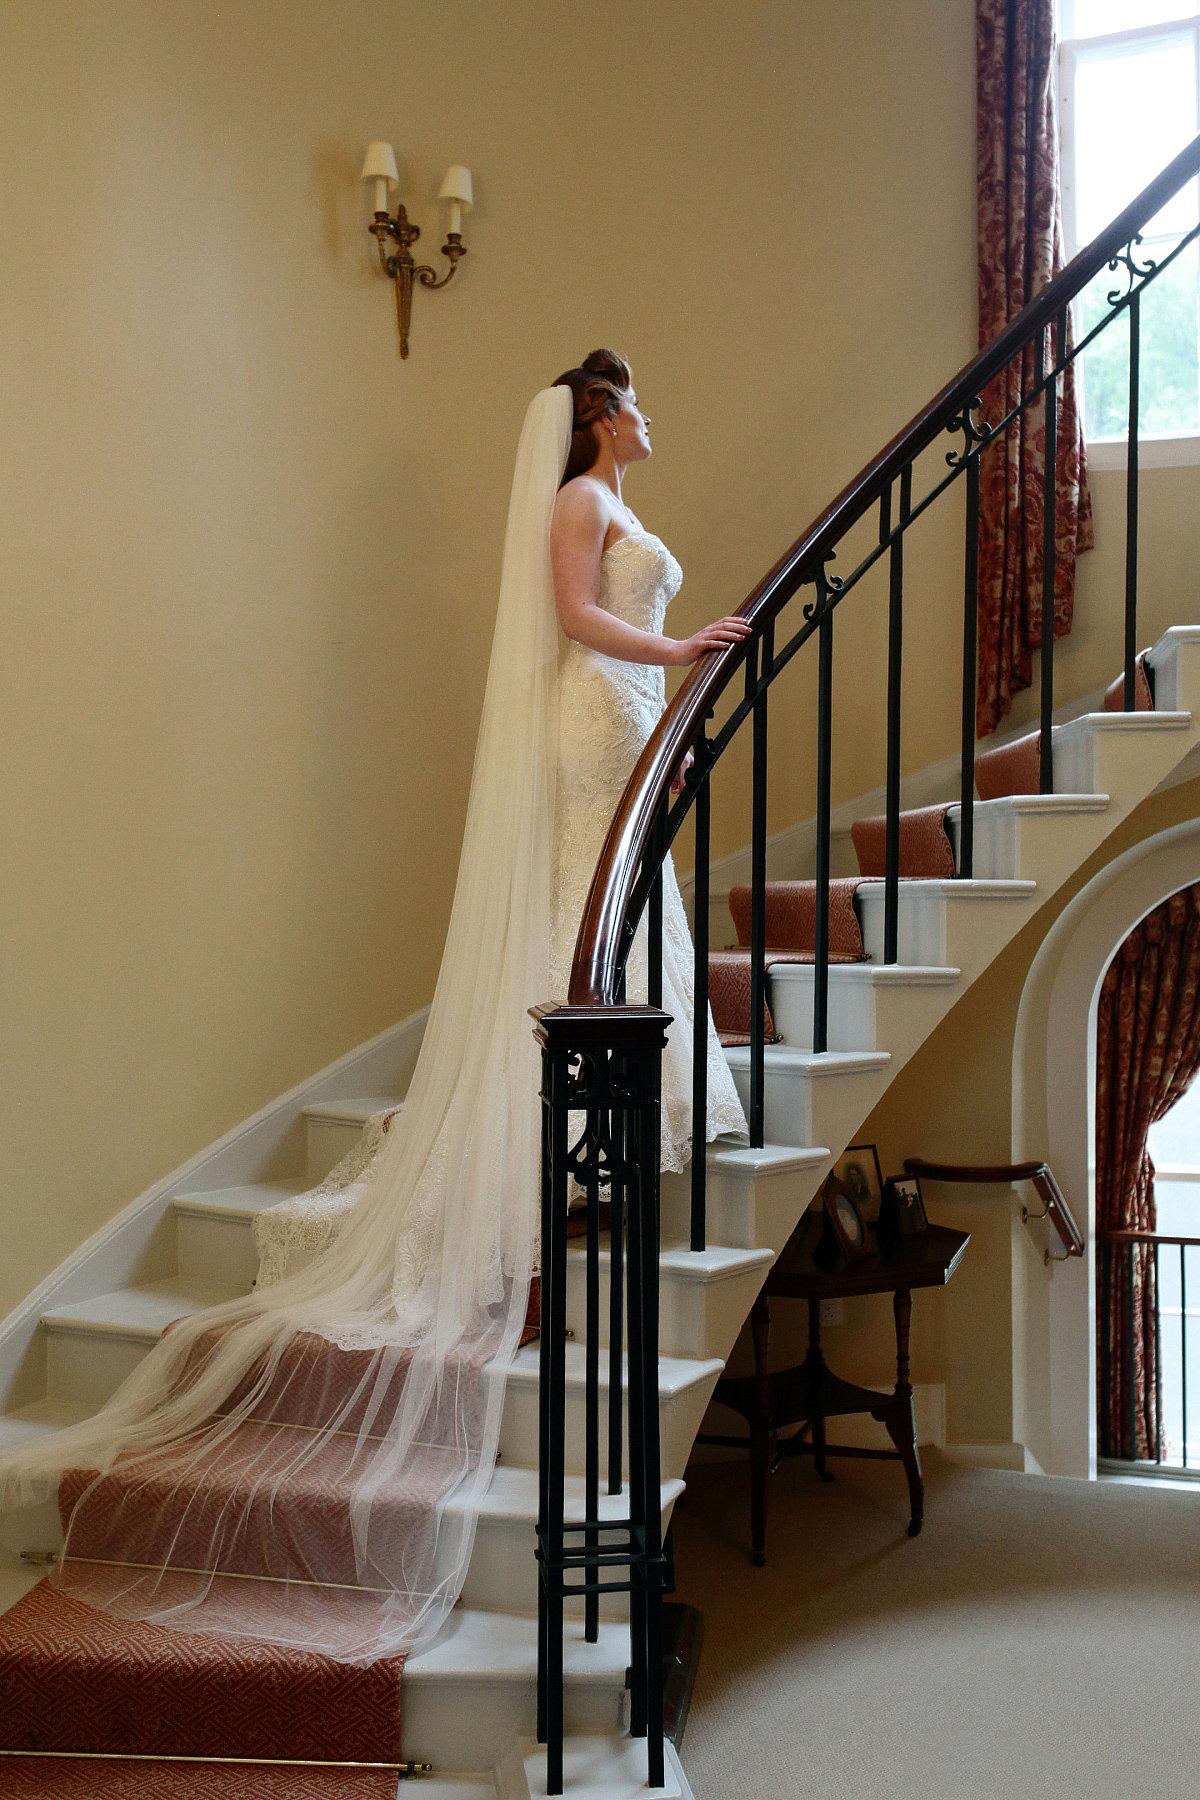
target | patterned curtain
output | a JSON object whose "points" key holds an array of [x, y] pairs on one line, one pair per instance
{"points": [[1020, 248], [1147, 1053]]}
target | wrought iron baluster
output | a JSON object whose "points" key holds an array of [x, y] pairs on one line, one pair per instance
{"points": [[616, 1320], [1183, 1322], [1049, 516], [1131, 500], [1106, 1433], [891, 875], [1158, 1414], [655, 912], [553, 1409], [651, 1507], [700, 770], [966, 817], [758, 897], [824, 752], [591, 1453]]}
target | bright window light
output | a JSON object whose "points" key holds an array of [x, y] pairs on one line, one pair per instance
{"points": [[1130, 94]]}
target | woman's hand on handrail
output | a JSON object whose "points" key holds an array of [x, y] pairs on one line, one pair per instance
{"points": [[717, 636]]}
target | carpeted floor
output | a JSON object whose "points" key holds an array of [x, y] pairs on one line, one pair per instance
{"points": [[1040, 1638]]}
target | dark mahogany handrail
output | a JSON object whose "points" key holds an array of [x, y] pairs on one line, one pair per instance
{"points": [[595, 971], [1039, 1173], [1145, 1237]]}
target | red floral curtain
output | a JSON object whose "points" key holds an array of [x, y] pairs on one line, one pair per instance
{"points": [[1147, 1053], [1020, 248]]}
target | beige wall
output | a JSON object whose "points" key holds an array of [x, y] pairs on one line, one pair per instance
{"points": [[249, 559]]}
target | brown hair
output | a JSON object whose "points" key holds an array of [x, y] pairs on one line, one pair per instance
{"points": [[598, 386]]}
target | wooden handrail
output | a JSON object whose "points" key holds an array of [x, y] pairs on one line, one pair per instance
{"points": [[1144, 1237], [598, 946], [1039, 1173]]}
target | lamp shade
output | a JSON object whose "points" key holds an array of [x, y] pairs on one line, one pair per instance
{"points": [[457, 186], [379, 164]]}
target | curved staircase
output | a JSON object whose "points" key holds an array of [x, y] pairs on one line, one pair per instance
{"points": [[467, 1697]]}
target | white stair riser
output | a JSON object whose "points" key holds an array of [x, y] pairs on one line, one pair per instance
{"points": [[216, 1249], [328, 1141], [503, 1572], [1176, 666], [1012, 841], [939, 928], [466, 1722], [747, 1212], [88, 1366], [696, 1318], [679, 1417], [1111, 753], [807, 1107], [863, 1014]]}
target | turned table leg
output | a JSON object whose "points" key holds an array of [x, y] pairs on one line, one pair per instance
{"points": [[760, 1431], [814, 1362], [901, 1420]]}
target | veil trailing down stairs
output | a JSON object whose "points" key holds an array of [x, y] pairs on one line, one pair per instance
{"points": [[829, 1023]]}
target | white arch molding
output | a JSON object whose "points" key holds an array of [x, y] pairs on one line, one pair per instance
{"points": [[1054, 1105]]}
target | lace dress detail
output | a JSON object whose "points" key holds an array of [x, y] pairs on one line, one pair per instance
{"points": [[607, 711], [293, 1233]]}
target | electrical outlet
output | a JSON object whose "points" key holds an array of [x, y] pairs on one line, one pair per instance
{"points": [[831, 1312]]}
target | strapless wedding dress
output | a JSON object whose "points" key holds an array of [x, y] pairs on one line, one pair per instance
{"points": [[607, 711]]}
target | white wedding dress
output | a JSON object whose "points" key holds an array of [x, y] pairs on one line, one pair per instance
{"points": [[607, 710], [307, 1464]]}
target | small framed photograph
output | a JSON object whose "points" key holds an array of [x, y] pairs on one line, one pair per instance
{"points": [[858, 1170], [904, 1208], [846, 1221]]}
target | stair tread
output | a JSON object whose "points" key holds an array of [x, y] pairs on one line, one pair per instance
{"points": [[815, 1062], [355, 1111], [512, 1492], [873, 974], [953, 887], [1123, 721], [142, 1311], [1038, 803], [495, 1646], [675, 1373], [679, 1262], [241, 1202]]}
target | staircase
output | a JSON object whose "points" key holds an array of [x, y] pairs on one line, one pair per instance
{"points": [[469, 1697]]}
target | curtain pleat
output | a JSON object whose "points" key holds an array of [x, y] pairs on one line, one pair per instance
{"points": [[1147, 1054], [1020, 249]]}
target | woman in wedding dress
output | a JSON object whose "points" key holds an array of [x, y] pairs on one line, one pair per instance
{"points": [[306, 1465]]}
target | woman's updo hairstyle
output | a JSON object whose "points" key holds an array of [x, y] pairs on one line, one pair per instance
{"points": [[598, 387]]}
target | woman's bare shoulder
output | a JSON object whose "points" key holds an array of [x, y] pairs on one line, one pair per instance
{"points": [[584, 505]]}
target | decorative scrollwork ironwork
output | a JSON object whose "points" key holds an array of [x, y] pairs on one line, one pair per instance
{"points": [[973, 433], [828, 587], [1134, 270]]}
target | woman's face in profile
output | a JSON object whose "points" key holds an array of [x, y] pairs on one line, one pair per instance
{"points": [[632, 442]]}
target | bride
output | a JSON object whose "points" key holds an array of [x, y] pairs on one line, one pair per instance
{"points": [[306, 1465]]}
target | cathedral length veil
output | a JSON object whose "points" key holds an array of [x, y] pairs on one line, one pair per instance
{"points": [[306, 1465]]}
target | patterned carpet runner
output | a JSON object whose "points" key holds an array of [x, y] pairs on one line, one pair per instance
{"points": [[72, 1679]]}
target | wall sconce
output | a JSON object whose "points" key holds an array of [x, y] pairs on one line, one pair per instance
{"points": [[379, 166]]}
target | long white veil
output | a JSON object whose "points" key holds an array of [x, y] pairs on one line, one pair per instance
{"points": [[306, 1465]]}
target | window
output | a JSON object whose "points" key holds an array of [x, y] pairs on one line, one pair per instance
{"points": [[1174, 1145], [1129, 87]]}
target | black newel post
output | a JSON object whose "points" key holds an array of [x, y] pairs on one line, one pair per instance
{"points": [[601, 1085]]}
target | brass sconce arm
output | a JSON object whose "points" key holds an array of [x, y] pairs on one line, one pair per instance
{"points": [[398, 265]]}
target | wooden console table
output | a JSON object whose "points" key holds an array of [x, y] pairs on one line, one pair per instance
{"points": [[811, 1393]]}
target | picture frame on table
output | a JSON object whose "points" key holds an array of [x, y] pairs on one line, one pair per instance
{"points": [[846, 1233], [859, 1170], [902, 1215]]}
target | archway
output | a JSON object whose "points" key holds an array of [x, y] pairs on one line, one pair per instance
{"points": [[1053, 1117]]}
